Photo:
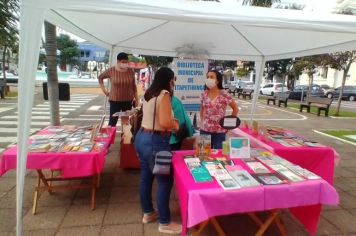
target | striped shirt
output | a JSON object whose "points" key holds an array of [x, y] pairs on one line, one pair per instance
{"points": [[123, 85]]}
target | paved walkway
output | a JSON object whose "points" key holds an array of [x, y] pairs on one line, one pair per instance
{"points": [[118, 211]]}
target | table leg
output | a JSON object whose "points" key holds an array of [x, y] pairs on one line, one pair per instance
{"points": [[217, 227], [197, 231], [200, 228], [267, 223], [44, 180], [93, 192], [255, 219], [98, 181], [35, 197], [50, 182], [281, 228]]}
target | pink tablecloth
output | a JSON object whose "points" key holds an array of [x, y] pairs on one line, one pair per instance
{"points": [[71, 164], [199, 202], [320, 160]]}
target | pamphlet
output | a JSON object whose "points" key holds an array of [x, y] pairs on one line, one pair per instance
{"points": [[214, 168], [200, 173], [243, 178], [291, 176], [226, 181], [304, 172], [239, 147], [257, 167], [269, 179]]}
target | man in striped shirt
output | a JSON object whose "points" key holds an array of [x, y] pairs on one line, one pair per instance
{"points": [[123, 91]]}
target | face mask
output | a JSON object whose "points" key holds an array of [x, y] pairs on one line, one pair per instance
{"points": [[210, 83]]}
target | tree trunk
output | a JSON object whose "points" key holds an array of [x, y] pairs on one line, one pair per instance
{"points": [[310, 84], [3, 69], [52, 77], [337, 113]]}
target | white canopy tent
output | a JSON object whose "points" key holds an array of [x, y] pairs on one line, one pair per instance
{"points": [[173, 28]]}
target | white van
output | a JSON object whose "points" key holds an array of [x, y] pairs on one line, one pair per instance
{"points": [[272, 88]]}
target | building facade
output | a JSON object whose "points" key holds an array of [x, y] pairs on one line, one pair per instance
{"points": [[91, 52]]}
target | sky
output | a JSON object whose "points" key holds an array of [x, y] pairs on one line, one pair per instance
{"points": [[311, 5]]}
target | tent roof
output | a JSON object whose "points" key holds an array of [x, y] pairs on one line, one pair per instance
{"points": [[208, 29]]}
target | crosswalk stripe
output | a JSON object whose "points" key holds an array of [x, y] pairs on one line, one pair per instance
{"points": [[61, 105], [46, 113], [94, 108], [69, 103], [13, 130], [8, 139], [91, 115], [33, 117], [34, 123], [84, 119], [81, 100], [46, 109], [3, 109]]}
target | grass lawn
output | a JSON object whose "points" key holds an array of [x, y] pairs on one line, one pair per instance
{"points": [[331, 111], [11, 95], [342, 134]]}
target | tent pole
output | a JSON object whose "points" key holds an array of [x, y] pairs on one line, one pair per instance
{"points": [[259, 65], [31, 23]]}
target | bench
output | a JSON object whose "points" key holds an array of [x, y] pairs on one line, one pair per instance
{"points": [[233, 90], [280, 98], [245, 93], [323, 104]]}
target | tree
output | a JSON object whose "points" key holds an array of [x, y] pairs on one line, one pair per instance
{"points": [[308, 65], [156, 61], [279, 68], [69, 50], [8, 28], [340, 61], [52, 76], [259, 3]]}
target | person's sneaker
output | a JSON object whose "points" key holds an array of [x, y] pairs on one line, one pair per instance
{"points": [[149, 217], [171, 228]]}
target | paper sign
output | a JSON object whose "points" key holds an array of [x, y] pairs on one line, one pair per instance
{"points": [[230, 122], [239, 147]]}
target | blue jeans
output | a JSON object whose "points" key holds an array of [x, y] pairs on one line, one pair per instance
{"points": [[145, 144], [216, 139]]}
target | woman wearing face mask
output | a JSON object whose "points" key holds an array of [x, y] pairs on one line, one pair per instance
{"points": [[214, 101], [123, 91]]}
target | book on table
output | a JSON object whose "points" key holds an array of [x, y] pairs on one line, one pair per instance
{"points": [[257, 167], [243, 178], [285, 172], [304, 172], [214, 167], [269, 179], [199, 172], [39, 147], [226, 181]]}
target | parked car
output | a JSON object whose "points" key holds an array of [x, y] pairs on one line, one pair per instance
{"points": [[248, 85], [325, 88], [272, 88], [316, 91], [349, 93]]}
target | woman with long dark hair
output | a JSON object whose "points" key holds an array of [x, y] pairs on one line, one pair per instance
{"points": [[157, 124], [214, 101]]}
